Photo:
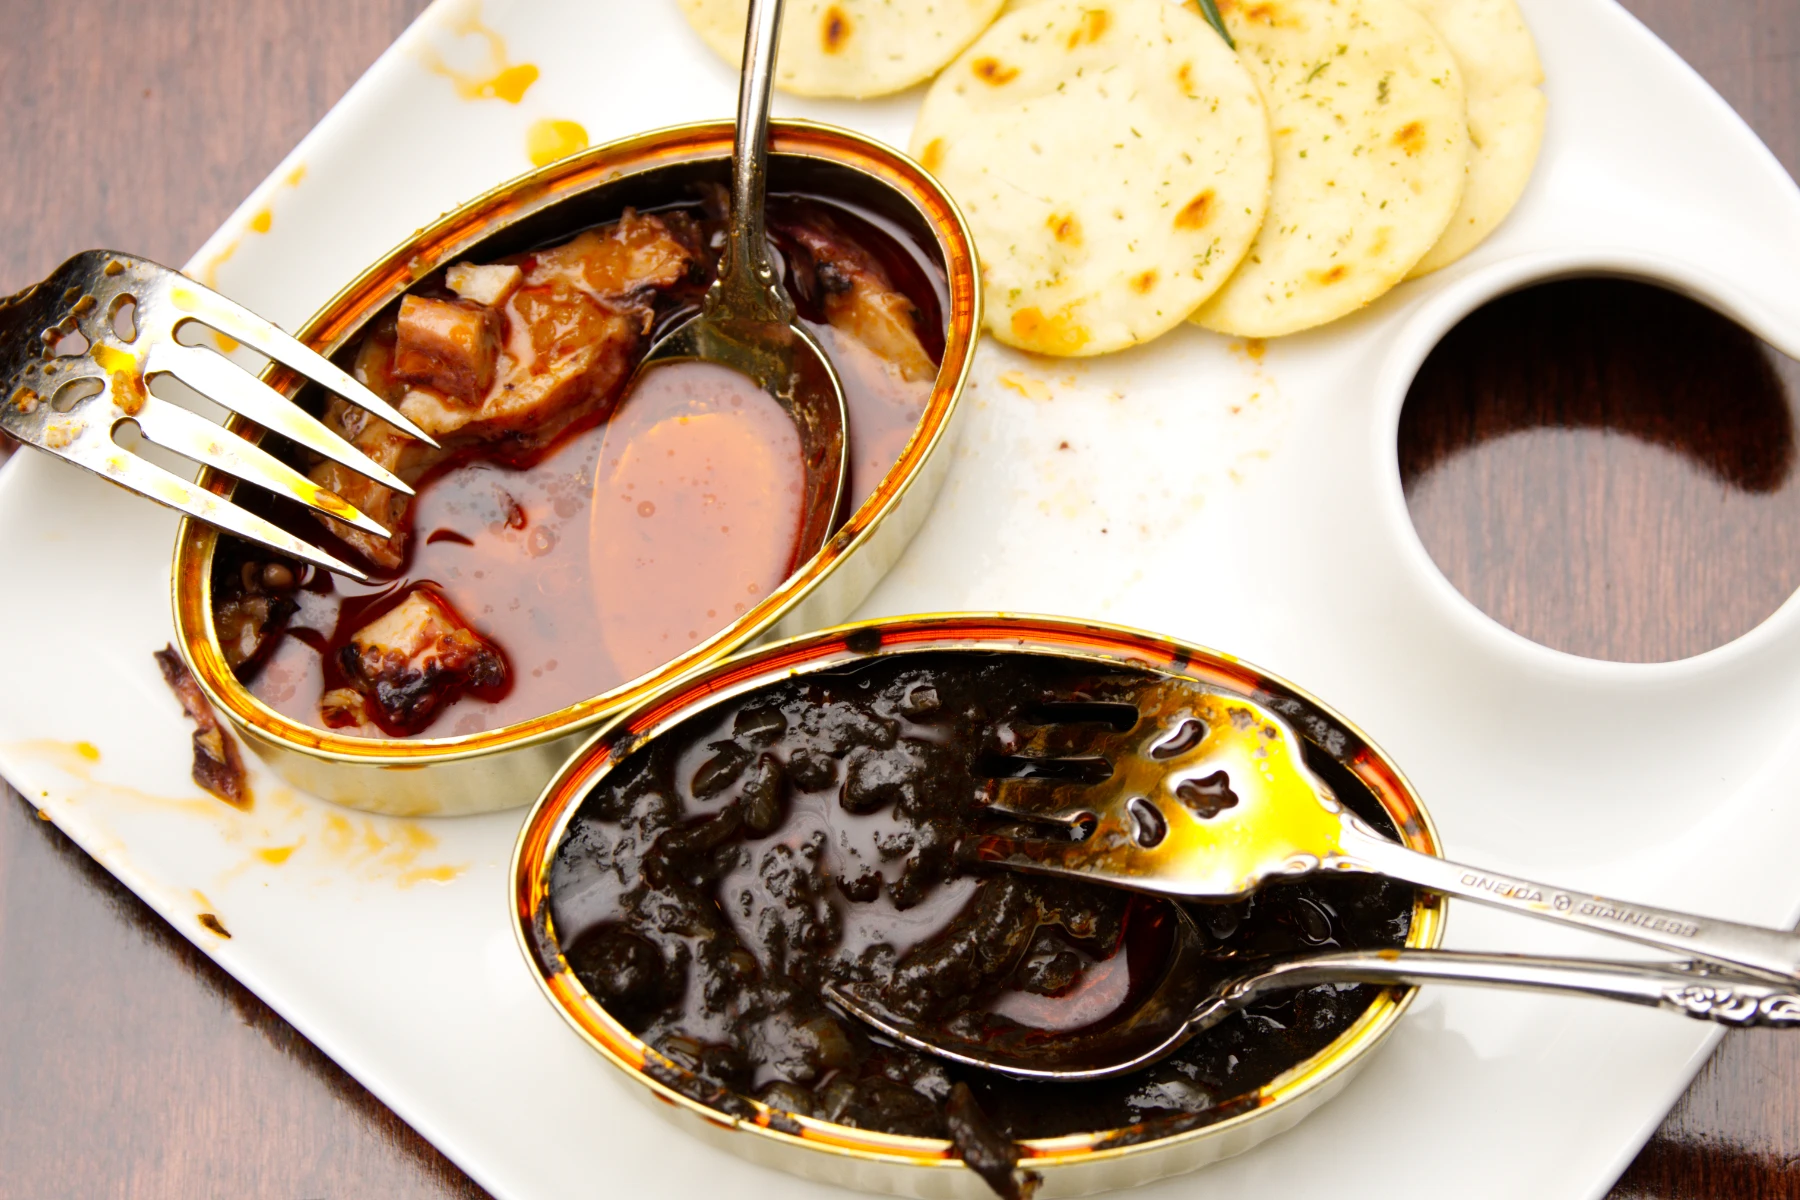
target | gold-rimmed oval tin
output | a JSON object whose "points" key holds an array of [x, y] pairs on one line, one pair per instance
{"points": [[506, 767], [1078, 1164]]}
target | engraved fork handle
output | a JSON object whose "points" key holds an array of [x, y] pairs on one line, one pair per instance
{"points": [[1682, 987], [1771, 952]]}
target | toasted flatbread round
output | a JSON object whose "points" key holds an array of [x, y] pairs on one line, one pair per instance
{"points": [[1113, 159], [854, 48], [1371, 150], [1501, 74]]}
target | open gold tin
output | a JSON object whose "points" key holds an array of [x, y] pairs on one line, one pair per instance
{"points": [[504, 767], [1078, 1164]]}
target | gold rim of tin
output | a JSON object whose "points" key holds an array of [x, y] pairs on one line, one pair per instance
{"points": [[549, 818], [437, 244]]}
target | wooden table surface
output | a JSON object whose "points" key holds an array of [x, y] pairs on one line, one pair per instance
{"points": [[1625, 491]]}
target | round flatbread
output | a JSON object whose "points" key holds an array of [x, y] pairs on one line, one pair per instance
{"points": [[1112, 157], [854, 48], [1501, 73], [1371, 150]]}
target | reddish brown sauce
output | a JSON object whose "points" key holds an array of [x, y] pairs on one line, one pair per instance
{"points": [[629, 541]]}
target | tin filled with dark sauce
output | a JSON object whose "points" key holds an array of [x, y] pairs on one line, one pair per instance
{"points": [[804, 832]]}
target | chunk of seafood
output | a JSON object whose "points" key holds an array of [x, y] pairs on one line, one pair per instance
{"points": [[412, 661]]}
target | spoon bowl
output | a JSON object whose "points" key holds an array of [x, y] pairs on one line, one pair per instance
{"points": [[747, 323]]}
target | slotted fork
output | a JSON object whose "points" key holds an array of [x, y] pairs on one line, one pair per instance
{"points": [[79, 350], [1204, 796]]}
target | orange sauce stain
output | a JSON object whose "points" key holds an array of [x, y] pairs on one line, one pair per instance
{"points": [[263, 221], [77, 760], [276, 855], [382, 849], [500, 79], [548, 140], [1026, 385], [294, 176]]}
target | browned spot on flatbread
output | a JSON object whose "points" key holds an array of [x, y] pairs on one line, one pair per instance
{"points": [[1196, 212], [1065, 228], [1330, 277], [1143, 283], [1053, 333], [1185, 77], [1262, 12], [1092, 28], [992, 70], [932, 157], [1410, 138], [835, 30]]}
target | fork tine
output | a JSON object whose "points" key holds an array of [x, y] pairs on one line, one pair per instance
{"points": [[1040, 799], [235, 321], [192, 436], [152, 482], [219, 379], [1037, 855]]}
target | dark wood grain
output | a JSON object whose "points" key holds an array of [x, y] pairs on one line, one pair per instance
{"points": [[131, 1066], [1612, 496]]}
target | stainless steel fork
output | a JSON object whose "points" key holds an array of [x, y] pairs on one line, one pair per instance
{"points": [[79, 351], [1198, 795]]}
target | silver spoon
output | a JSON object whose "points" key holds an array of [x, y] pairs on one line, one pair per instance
{"points": [[747, 322], [1183, 1004]]}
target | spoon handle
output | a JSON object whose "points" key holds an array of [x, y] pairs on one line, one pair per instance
{"points": [[748, 287], [1683, 987], [1770, 952]]}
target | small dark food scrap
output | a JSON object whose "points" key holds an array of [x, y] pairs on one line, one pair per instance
{"points": [[805, 834], [218, 765]]}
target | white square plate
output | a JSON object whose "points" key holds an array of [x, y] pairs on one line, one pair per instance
{"points": [[1189, 487]]}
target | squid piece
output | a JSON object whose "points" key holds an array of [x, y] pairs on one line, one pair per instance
{"points": [[408, 664]]}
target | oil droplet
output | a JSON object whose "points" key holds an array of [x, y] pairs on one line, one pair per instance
{"points": [[540, 542], [548, 140], [646, 509]]}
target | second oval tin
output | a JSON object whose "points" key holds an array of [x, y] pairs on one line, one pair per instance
{"points": [[1076, 1164]]}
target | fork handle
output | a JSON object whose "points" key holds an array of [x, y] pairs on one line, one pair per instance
{"points": [[1682, 987], [1771, 952]]}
